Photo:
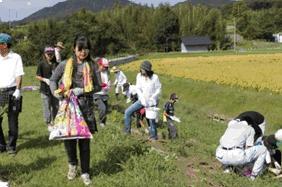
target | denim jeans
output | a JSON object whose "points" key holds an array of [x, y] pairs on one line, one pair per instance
{"points": [[153, 129], [128, 113]]}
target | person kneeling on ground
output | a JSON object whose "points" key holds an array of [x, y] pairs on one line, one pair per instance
{"points": [[273, 158], [237, 147]]}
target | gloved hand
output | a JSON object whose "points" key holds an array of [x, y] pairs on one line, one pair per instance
{"points": [[17, 94], [151, 102], [277, 165], [104, 86], [143, 102], [47, 81], [58, 96], [77, 91]]}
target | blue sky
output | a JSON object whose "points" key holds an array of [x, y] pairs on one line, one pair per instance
{"points": [[19, 9]]}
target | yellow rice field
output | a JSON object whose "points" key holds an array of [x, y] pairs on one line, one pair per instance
{"points": [[259, 71]]}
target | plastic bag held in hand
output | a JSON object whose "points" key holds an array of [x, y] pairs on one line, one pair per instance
{"points": [[174, 118], [17, 93]]}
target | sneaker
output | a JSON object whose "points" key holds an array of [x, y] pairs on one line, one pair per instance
{"points": [[252, 178], [227, 170], [71, 172], [11, 151], [86, 179]]}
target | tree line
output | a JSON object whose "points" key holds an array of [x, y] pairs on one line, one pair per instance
{"points": [[141, 29]]}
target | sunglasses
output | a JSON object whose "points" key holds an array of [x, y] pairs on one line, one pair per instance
{"points": [[85, 50]]}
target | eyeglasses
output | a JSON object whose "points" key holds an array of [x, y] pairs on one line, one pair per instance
{"points": [[85, 50]]}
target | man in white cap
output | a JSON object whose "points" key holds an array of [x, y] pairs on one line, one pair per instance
{"points": [[237, 147], [11, 72]]}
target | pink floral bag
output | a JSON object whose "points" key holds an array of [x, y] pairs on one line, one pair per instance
{"points": [[69, 122]]}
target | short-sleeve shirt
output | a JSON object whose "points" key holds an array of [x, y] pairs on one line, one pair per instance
{"points": [[169, 108], [11, 67], [45, 70]]}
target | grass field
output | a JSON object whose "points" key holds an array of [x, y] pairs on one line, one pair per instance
{"points": [[118, 160]]}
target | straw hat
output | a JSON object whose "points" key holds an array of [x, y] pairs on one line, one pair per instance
{"points": [[60, 44], [114, 69]]}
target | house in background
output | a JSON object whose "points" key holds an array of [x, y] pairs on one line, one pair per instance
{"points": [[195, 44], [278, 37]]}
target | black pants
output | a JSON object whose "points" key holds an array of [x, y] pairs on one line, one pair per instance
{"points": [[172, 131], [13, 115], [84, 153], [86, 106], [102, 102]]}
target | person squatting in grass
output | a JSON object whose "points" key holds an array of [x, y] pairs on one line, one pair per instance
{"points": [[273, 158], [119, 81], [78, 77], [44, 71], [101, 98], [238, 145], [169, 117], [148, 88], [11, 72]]}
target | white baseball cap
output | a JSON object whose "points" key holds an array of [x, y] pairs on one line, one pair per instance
{"points": [[278, 135]]}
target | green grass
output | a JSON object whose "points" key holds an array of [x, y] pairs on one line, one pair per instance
{"points": [[118, 160]]}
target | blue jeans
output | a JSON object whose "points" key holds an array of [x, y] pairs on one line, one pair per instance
{"points": [[128, 113], [153, 129]]}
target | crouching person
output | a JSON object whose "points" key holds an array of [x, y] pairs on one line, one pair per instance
{"points": [[273, 158], [237, 148], [77, 77]]}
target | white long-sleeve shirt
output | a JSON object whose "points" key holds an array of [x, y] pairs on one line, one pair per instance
{"points": [[238, 134], [148, 89], [120, 78], [106, 80]]}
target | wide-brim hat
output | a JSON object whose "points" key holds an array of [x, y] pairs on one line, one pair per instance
{"points": [[60, 44], [146, 65], [115, 69]]}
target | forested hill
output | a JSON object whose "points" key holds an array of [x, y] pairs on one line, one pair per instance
{"points": [[69, 7], [213, 3]]}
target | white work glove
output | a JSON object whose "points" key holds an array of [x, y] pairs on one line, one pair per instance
{"points": [[277, 165], [128, 100], [17, 93], [174, 118], [77, 91], [143, 102], [151, 102], [47, 81]]}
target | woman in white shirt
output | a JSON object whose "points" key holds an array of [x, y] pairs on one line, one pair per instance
{"points": [[148, 88]]}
